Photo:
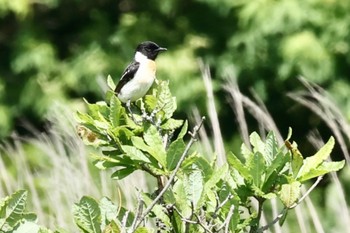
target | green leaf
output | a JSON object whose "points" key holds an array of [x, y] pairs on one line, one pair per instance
{"points": [[112, 227], [290, 193], [257, 168], [194, 186], [235, 163], [110, 83], [153, 139], [182, 202], [277, 164], [314, 161], [296, 158], [122, 173], [283, 218], [166, 102], [135, 154], [143, 230], [139, 143], [271, 148], [217, 175], [171, 124], [174, 153], [13, 210], [116, 111], [324, 168], [183, 131], [150, 102], [87, 215], [257, 143], [109, 212], [28, 227]]}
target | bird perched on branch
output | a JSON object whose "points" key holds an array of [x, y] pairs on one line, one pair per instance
{"points": [[140, 74]]}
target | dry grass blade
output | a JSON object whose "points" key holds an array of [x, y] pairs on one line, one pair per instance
{"points": [[317, 100], [259, 112], [213, 115]]}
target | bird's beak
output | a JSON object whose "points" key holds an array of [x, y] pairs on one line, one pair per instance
{"points": [[161, 49]]}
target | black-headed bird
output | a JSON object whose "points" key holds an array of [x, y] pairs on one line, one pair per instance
{"points": [[140, 74]]}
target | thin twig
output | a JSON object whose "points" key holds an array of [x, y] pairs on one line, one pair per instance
{"points": [[138, 211], [227, 220], [172, 177], [264, 228]]}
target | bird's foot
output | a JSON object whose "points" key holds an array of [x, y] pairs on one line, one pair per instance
{"points": [[152, 117]]}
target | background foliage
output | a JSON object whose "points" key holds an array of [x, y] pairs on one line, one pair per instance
{"points": [[59, 51]]}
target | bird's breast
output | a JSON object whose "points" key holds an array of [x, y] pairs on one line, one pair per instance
{"points": [[146, 72]]}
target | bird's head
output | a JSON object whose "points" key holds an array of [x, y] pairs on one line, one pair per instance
{"points": [[149, 49]]}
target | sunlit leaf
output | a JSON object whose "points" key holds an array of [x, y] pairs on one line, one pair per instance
{"points": [[87, 215], [194, 186], [174, 152], [110, 83], [290, 193], [135, 154], [154, 140], [312, 162], [324, 168], [13, 210], [235, 163], [171, 124]]}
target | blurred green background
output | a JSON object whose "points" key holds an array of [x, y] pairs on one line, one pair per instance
{"points": [[60, 50], [57, 52]]}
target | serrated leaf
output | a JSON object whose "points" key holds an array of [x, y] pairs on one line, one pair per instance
{"points": [[171, 124], [271, 148], [109, 213], [314, 161], [154, 140], [242, 169], [135, 154], [257, 168], [290, 193], [278, 163], [15, 205], [122, 173], [324, 168], [214, 179], [87, 215], [115, 111], [110, 83], [150, 102], [174, 153], [139, 143], [182, 201], [166, 102], [194, 186], [245, 151], [257, 143]]}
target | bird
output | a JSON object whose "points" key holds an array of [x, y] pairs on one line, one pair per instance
{"points": [[140, 74]]}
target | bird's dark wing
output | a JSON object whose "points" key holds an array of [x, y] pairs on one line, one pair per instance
{"points": [[128, 74]]}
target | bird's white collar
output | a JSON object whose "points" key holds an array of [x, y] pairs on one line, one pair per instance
{"points": [[139, 57]]}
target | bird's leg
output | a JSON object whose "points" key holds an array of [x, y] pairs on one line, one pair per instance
{"points": [[128, 106]]}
